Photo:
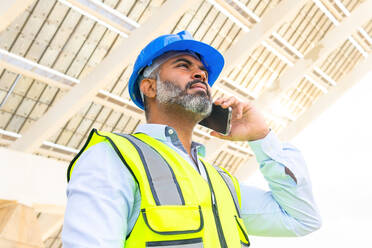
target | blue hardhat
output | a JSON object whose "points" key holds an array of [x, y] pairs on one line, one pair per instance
{"points": [[182, 41]]}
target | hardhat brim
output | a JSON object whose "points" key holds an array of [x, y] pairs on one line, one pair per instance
{"points": [[211, 58]]}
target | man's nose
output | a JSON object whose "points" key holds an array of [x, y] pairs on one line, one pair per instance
{"points": [[201, 75]]}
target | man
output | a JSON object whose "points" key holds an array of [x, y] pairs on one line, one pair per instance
{"points": [[153, 189]]}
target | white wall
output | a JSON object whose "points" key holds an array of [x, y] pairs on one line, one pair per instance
{"points": [[32, 179]]}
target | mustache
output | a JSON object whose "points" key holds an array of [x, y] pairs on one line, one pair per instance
{"points": [[196, 81]]}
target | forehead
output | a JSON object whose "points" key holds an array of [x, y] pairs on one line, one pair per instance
{"points": [[188, 57]]}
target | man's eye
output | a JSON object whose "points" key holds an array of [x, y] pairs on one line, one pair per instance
{"points": [[183, 65]]}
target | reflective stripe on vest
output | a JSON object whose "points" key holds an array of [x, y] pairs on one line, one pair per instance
{"points": [[230, 184], [179, 208], [163, 184]]}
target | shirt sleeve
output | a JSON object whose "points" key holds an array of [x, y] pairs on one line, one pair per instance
{"points": [[288, 209], [101, 198]]}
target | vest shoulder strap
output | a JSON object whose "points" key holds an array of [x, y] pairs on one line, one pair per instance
{"points": [[162, 180], [88, 143], [164, 187]]}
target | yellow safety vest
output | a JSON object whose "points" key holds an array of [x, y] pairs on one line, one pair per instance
{"points": [[179, 208]]}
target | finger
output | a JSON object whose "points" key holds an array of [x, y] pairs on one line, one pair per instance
{"points": [[239, 110], [229, 102], [219, 100]]}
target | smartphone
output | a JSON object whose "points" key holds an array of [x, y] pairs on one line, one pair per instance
{"points": [[218, 120]]}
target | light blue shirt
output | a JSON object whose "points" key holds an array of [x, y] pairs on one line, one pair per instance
{"points": [[104, 200]]}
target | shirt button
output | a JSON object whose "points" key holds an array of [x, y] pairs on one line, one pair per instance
{"points": [[170, 131]]}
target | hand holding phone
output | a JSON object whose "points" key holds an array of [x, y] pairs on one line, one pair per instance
{"points": [[218, 120]]}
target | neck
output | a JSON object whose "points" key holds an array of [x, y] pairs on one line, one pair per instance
{"points": [[179, 119]]}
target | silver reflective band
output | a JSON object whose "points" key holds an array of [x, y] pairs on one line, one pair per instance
{"points": [[231, 187], [163, 184]]}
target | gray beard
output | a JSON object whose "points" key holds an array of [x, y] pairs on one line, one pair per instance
{"points": [[169, 93]]}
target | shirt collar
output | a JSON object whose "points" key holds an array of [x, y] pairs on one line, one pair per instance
{"points": [[156, 131], [166, 133]]}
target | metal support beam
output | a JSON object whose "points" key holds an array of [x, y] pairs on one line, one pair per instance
{"points": [[163, 19], [269, 23], [10, 10], [119, 104], [28, 68], [231, 13], [100, 12], [324, 102]]}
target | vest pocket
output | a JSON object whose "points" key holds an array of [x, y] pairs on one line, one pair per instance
{"points": [[242, 232], [183, 243], [171, 220]]}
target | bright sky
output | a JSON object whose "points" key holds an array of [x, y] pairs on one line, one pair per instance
{"points": [[337, 148]]}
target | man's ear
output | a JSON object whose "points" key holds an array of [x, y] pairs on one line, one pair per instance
{"points": [[148, 87]]}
